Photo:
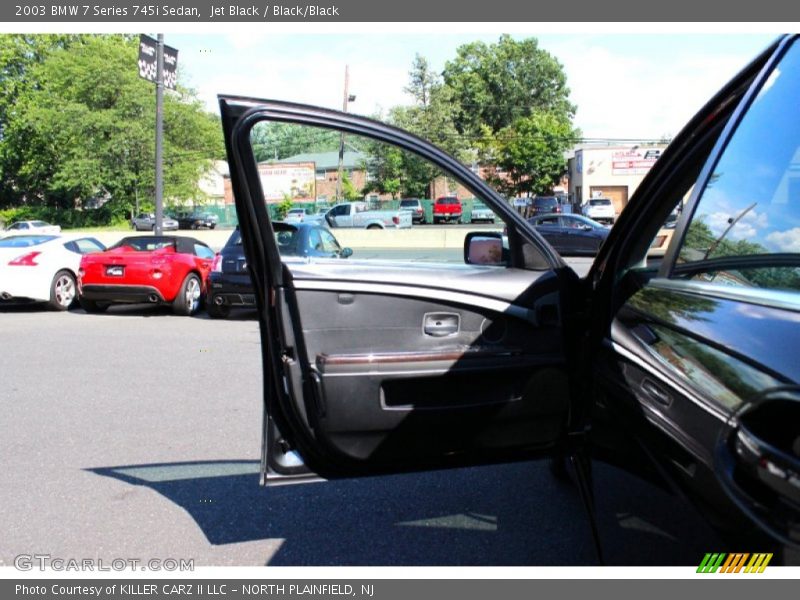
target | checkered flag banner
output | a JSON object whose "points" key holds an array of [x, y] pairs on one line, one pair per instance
{"points": [[148, 62]]}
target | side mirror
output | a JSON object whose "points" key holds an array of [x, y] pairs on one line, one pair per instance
{"points": [[587, 227], [485, 248], [346, 252]]}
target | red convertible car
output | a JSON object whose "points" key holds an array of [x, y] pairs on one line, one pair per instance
{"points": [[156, 269]]}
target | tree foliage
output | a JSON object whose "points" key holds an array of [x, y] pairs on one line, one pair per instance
{"points": [[82, 125], [530, 154], [497, 84], [504, 106]]}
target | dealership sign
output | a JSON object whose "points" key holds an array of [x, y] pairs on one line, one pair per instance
{"points": [[294, 180], [636, 161], [148, 62]]}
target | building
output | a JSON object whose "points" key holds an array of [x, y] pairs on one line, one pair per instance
{"points": [[212, 184], [610, 172]]}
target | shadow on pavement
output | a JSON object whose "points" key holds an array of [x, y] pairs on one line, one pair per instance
{"points": [[515, 514]]}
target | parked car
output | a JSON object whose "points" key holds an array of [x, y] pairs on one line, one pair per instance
{"points": [[414, 206], [545, 205], [571, 235], [600, 209], [30, 228], [229, 283], [482, 213], [298, 215], [358, 215], [682, 369], [156, 269], [447, 209], [43, 268], [194, 220], [147, 222]]}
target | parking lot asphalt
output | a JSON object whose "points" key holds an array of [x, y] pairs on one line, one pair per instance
{"points": [[135, 434]]}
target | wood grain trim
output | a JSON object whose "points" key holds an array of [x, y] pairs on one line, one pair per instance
{"points": [[450, 354]]}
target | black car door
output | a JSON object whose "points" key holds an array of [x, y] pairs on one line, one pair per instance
{"points": [[582, 239], [697, 353], [376, 366]]}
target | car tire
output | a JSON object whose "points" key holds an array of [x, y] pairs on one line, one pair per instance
{"points": [[217, 311], [63, 291], [91, 306], [374, 226], [212, 226], [189, 297]]}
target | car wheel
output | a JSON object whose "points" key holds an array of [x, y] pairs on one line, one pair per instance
{"points": [[187, 302], [62, 291], [90, 306], [217, 311], [373, 226]]}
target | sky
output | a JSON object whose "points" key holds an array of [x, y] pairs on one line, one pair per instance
{"points": [[625, 85]]}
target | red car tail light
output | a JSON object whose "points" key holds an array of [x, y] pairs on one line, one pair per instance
{"points": [[26, 260], [216, 264], [396, 220]]}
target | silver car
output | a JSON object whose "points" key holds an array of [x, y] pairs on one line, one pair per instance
{"points": [[147, 222]]}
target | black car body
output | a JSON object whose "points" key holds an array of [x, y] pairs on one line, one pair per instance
{"points": [[544, 205], [196, 220], [571, 235], [229, 283], [683, 368]]}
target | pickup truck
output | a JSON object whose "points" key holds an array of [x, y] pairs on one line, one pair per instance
{"points": [[355, 214], [447, 209]]}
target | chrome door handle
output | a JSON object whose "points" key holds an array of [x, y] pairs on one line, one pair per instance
{"points": [[441, 324]]}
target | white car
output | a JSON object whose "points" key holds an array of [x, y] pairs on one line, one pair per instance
{"points": [[601, 210], [297, 215], [30, 227], [43, 268]]}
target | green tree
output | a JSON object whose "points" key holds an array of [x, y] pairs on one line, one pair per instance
{"points": [[276, 141], [497, 84], [531, 153], [83, 124]]}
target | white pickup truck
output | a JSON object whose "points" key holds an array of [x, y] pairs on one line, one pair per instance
{"points": [[356, 214]]}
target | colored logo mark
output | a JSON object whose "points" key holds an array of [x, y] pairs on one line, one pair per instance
{"points": [[734, 563]]}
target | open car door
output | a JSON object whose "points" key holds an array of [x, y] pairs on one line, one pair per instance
{"points": [[376, 366]]}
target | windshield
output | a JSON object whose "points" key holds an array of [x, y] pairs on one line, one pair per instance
{"points": [[600, 202]]}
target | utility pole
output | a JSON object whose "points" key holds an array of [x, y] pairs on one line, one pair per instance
{"points": [[347, 98], [160, 136]]}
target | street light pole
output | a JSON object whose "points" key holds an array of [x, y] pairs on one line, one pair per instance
{"points": [[159, 135], [347, 98]]}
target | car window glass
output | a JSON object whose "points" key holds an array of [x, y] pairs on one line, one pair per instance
{"points": [[329, 243], [203, 251], [23, 241], [745, 229], [287, 242], [377, 180], [314, 240], [85, 246]]}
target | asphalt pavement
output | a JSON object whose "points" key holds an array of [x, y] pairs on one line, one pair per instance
{"points": [[135, 434]]}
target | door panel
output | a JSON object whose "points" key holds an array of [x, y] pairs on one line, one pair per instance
{"points": [[386, 394]]}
